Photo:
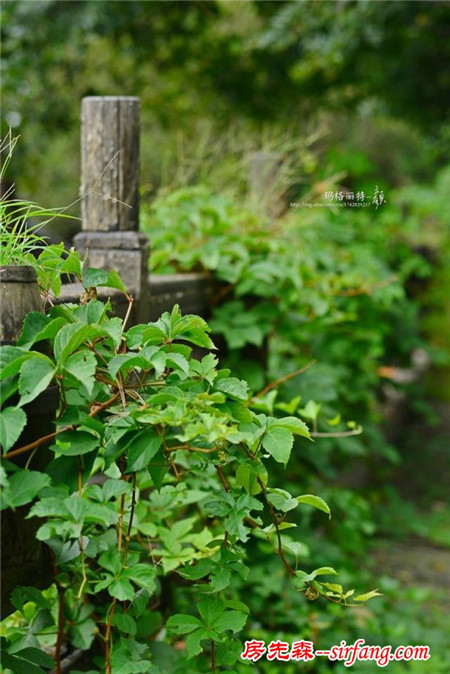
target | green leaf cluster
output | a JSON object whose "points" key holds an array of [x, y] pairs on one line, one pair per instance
{"points": [[160, 472]]}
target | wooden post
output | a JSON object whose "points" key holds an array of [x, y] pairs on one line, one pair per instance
{"points": [[110, 190], [110, 163]]}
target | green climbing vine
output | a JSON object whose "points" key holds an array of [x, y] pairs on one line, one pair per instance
{"points": [[159, 475]]}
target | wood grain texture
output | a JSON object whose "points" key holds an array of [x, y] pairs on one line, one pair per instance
{"points": [[19, 294], [110, 130]]}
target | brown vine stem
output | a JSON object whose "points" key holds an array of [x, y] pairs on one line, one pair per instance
{"points": [[46, 438], [286, 377], [273, 515], [130, 523], [108, 636], [127, 315], [223, 479], [213, 656], [59, 638], [191, 448], [83, 565], [352, 292], [122, 508], [36, 443], [120, 523], [60, 633], [80, 475], [337, 434]]}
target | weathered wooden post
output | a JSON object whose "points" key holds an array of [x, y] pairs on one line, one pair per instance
{"points": [[110, 131], [24, 559]]}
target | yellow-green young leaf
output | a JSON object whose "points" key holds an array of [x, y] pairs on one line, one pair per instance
{"points": [[311, 410], [292, 424], [334, 587], [325, 571], [12, 422], [315, 501], [247, 476], [334, 421], [290, 407], [368, 595], [300, 579], [35, 375]]}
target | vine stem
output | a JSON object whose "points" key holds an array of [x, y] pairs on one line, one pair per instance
{"points": [[122, 508], [213, 656], [352, 292], [130, 523], [59, 638], [337, 434], [191, 448], [120, 524], [286, 377], [127, 315], [108, 636], [60, 633], [222, 478], [273, 515], [51, 436], [82, 559]]}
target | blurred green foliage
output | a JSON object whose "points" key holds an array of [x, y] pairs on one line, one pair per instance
{"points": [[200, 66], [346, 288]]}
